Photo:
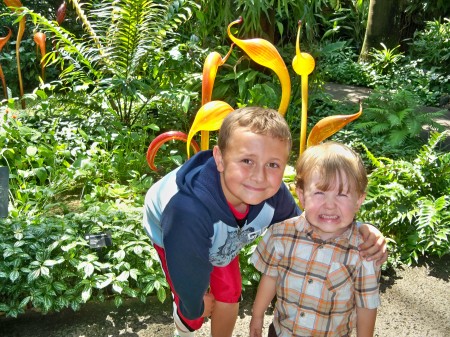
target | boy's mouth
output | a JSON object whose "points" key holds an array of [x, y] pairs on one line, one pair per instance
{"points": [[329, 217]]}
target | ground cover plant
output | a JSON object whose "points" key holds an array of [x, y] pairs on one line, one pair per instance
{"points": [[76, 154]]}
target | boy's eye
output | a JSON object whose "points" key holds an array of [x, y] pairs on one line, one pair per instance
{"points": [[246, 161], [273, 165]]}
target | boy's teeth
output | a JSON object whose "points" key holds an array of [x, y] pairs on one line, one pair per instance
{"points": [[329, 216]]}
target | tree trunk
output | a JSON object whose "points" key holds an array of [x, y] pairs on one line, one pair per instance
{"points": [[382, 26]]}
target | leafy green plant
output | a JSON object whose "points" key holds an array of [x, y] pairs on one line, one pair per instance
{"points": [[432, 45], [337, 62], [396, 115], [53, 154], [48, 264], [384, 59], [116, 59], [263, 18], [347, 24], [410, 203]]}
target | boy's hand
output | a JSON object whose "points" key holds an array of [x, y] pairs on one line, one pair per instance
{"points": [[374, 247], [256, 325], [209, 302]]}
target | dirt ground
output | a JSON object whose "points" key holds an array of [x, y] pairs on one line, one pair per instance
{"points": [[415, 303]]}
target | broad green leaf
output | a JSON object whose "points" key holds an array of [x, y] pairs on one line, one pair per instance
{"points": [[123, 276], [161, 294], [14, 275], [105, 283], [32, 150], [45, 271], [50, 263], [86, 294], [117, 288], [88, 270], [34, 275]]}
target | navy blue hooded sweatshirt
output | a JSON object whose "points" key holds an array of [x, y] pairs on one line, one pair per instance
{"points": [[187, 214]]}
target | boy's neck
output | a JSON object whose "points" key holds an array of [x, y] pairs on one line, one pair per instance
{"points": [[238, 214], [325, 236]]}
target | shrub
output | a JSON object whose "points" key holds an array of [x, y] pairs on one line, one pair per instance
{"points": [[432, 45], [410, 202], [397, 115], [48, 264]]}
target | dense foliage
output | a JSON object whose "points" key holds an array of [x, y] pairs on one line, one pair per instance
{"points": [[121, 72], [409, 201]]}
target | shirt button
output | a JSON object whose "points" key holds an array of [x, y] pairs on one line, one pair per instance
{"points": [[321, 246], [310, 281], [302, 314]]}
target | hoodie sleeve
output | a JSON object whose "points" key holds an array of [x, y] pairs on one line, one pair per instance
{"points": [[187, 243]]}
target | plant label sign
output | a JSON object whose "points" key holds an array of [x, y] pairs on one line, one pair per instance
{"points": [[4, 191]]}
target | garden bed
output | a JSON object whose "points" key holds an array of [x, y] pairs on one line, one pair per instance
{"points": [[415, 303]]}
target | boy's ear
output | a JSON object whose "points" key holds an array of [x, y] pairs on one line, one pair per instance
{"points": [[301, 197], [361, 200], [218, 158]]}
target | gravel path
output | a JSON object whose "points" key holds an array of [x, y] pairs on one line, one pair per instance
{"points": [[415, 303]]}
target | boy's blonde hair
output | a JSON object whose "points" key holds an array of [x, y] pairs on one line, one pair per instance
{"points": [[332, 160], [262, 121]]}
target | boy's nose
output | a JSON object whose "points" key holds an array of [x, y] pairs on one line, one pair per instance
{"points": [[258, 173], [330, 202]]}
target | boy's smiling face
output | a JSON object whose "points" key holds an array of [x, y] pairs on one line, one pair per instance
{"points": [[251, 167]]}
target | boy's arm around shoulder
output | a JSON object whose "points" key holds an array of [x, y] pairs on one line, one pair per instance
{"points": [[374, 247]]}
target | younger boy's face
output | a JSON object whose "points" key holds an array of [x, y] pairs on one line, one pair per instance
{"points": [[329, 212], [251, 168]]}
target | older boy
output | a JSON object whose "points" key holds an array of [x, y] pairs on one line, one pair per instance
{"points": [[201, 215], [312, 262]]}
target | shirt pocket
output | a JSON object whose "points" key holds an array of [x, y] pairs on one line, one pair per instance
{"points": [[340, 277]]}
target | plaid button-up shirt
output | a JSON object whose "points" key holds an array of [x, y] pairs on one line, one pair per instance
{"points": [[319, 283]]}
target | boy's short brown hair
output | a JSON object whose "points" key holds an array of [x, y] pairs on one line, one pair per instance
{"points": [[262, 121], [331, 160]]}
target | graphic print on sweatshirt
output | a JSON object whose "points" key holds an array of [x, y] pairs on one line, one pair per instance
{"points": [[228, 241]]}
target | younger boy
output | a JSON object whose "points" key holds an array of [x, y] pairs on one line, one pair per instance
{"points": [[200, 215], [311, 262]]}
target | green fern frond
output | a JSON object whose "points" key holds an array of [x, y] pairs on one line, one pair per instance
{"points": [[365, 125], [407, 112], [414, 126], [427, 213], [375, 162], [374, 112], [397, 137], [394, 119], [428, 149], [380, 128], [86, 23]]}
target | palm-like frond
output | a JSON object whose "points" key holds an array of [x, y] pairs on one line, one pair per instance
{"points": [[116, 54]]}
